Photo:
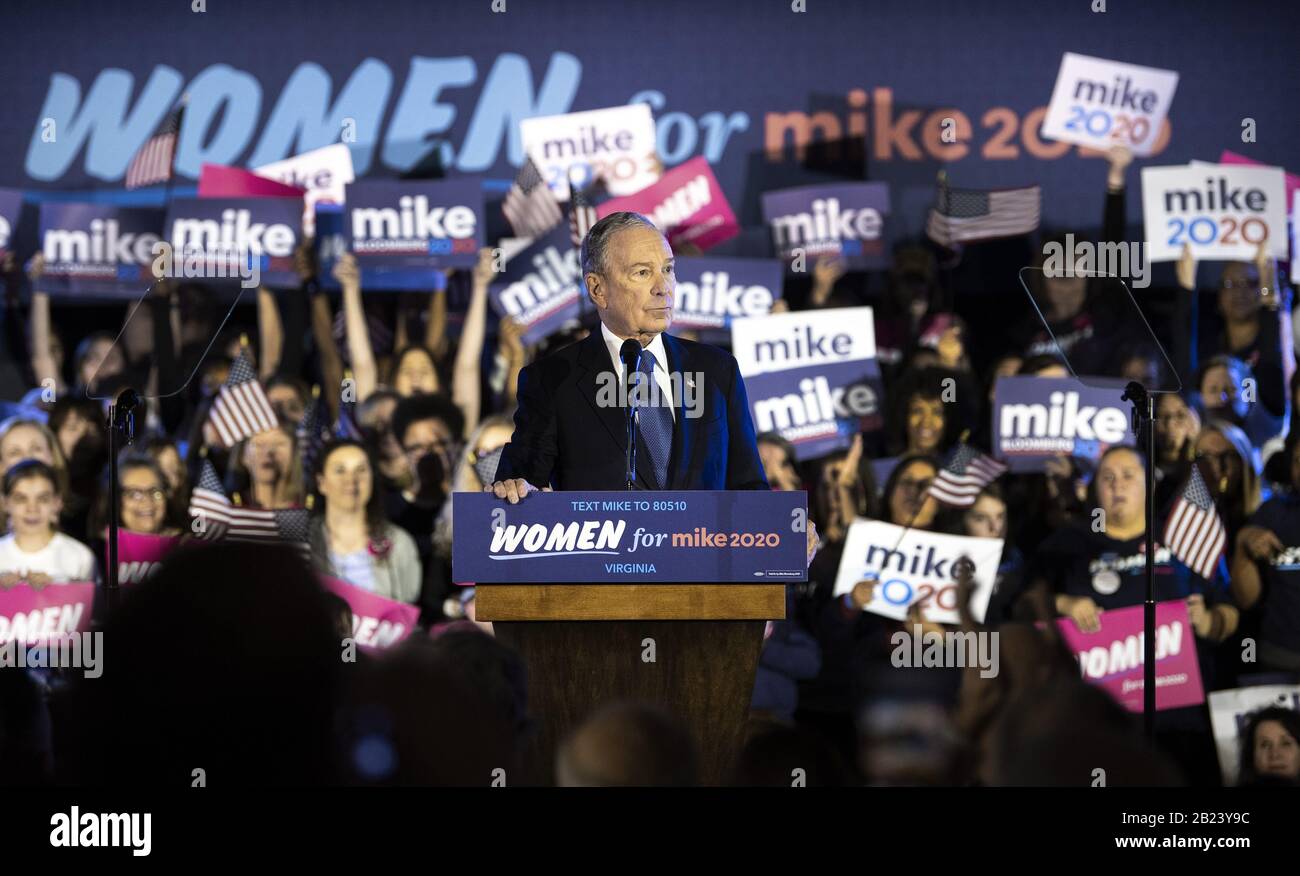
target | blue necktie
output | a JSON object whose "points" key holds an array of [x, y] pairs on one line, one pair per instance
{"points": [[654, 421]]}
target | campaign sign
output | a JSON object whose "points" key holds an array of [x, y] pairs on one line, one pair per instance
{"points": [[139, 554], [11, 207], [331, 244], [408, 229], [220, 181], [1227, 156], [1037, 418], [377, 622], [1295, 236], [616, 145], [98, 250], [914, 566], [1112, 658], [1230, 710], [34, 616], [811, 375], [221, 238], [541, 287], [1223, 212], [687, 205], [323, 173], [1100, 103], [846, 220], [578, 537], [711, 292]]}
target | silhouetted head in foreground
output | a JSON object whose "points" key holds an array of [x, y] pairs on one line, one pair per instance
{"points": [[627, 745], [226, 661]]}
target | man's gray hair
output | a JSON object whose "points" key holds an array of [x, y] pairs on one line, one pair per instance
{"points": [[596, 243]]}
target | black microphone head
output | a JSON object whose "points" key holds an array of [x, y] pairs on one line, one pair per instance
{"points": [[630, 352], [128, 399]]}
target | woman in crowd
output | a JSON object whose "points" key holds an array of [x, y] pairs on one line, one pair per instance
{"points": [[1177, 425], [1270, 748], [1094, 569], [1266, 571], [268, 470], [1227, 464], [350, 537], [35, 551], [146, 499], [82, 431], [987, 518], [924, 418], [907, 501], [21, 439]]}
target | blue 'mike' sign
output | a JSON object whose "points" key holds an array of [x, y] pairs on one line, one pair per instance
{"points": [[577, 537]]}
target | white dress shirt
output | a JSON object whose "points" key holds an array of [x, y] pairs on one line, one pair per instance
{"points": [[614, 343]]}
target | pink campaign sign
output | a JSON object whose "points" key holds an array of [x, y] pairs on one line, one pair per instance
{"points": [[1112, 657], [34, 616], [686, 203], [138, 554], [377, 623], [220, 181], [1292, 181]]}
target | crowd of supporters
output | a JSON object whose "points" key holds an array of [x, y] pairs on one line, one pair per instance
{"points": [[418, 392]]}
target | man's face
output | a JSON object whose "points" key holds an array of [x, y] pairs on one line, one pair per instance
{"points": [[635, 293]]}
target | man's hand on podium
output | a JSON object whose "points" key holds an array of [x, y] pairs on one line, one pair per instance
{"points": [[814, 541], [514, 489]]}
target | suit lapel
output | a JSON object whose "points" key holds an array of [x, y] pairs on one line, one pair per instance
{"points": [[594, 360]]}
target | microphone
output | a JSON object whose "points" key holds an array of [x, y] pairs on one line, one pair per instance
{"points": [[630, 353]]}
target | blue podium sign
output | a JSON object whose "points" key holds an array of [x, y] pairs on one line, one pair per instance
{"points": [[624, 537]]}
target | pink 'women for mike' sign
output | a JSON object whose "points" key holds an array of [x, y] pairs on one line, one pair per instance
{"points": [[687, 204], [377, 622], [32, 616], [1112, 658]]}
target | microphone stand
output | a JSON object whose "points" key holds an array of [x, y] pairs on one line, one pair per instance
{"points": [[1144, 416], [630, 353], [121, 417]]}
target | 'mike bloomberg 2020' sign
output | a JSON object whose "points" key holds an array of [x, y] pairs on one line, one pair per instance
{"points": [[694, 536]]}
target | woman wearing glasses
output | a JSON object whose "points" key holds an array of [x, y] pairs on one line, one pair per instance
{"points": [[145, 495]]}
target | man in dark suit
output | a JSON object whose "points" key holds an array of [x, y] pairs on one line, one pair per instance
{"points": [[571, 426]]}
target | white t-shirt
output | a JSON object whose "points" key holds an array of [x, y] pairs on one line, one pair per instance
{"points": [[64, 559]]}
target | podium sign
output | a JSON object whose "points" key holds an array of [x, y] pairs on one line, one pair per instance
{"points": [[620, 537]]}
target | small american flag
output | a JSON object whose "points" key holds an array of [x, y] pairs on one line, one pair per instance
{"points": [[963, 215], [1194, 531], [208, 503], [530, 206], [242, 409], [966, 473], [153, 162], [582, 209]]}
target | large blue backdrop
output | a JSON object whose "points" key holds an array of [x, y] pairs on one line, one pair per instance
{"points": [[740, 83]]}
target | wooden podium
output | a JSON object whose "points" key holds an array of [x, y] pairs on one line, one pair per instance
{"points": [[690, 648]]}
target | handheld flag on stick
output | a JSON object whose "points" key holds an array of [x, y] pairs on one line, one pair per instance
{"points": [[241, 409], [966, 473], [155, 161], [1194, 532]]}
